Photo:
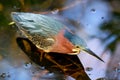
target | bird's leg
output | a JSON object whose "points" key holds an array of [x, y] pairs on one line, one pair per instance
{"points": [[41, 54]]}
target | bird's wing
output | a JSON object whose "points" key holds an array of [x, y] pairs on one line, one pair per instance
{"points": [[37, 23], [40, 29]]}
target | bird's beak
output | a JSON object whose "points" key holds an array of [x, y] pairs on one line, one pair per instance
{"points": [[92, 53]]}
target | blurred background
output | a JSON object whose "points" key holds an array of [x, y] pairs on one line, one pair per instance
{"points": [[96, 21]]}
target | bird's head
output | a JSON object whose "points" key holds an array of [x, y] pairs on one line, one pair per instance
{"points": [[80, 44]]}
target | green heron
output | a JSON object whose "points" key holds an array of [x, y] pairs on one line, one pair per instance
{"points": [[49, 36]]}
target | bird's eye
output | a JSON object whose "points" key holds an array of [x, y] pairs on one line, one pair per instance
{"points": [[77, 46], [76, 49]]}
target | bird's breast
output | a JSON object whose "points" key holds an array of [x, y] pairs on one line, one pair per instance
{"points": [[62, 44]]}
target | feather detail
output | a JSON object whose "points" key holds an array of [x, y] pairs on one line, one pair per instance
{"points": [[62, 45]]}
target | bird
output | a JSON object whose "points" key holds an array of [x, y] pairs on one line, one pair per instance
{"points": [[49, 40], [49, 34]]}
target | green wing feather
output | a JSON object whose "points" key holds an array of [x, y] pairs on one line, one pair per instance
{"points": [[40, 29], [37, 23]]}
